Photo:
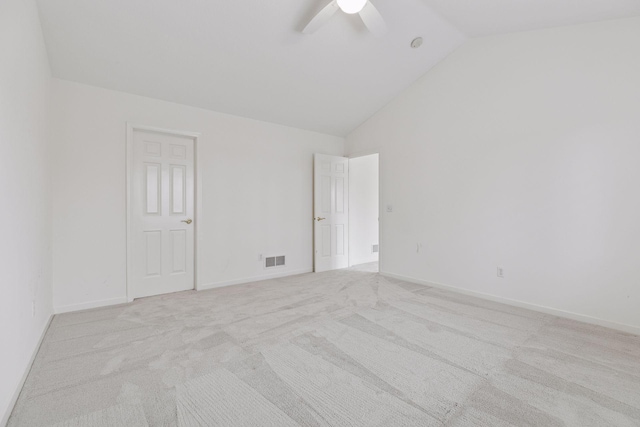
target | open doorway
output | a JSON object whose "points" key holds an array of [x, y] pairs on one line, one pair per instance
{"points": [[364, 243]]}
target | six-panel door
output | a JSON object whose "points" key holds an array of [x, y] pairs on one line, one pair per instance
{"points": [[331, 209], [163, 212]]}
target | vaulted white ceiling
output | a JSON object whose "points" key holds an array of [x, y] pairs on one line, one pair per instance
{"points": [[249, 58], [485, 17]]}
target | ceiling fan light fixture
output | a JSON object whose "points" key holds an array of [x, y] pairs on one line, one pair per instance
{"points": [[351, 6]]}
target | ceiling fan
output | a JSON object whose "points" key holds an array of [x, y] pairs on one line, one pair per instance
{"points": [[367, 11]]}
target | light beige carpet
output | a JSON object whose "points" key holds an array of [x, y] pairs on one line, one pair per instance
{"points": [[343, 348]]}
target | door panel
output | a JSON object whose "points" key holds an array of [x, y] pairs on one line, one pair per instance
{"points": [[153, 252], [162, 200], [152, 188], [340, 239], [178, 190], [331, 212], [179, 251]]}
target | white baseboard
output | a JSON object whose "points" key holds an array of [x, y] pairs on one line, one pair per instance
{"points": [[25, 374], [252, 279], [90, 304], [122, 300], [517, 303]]}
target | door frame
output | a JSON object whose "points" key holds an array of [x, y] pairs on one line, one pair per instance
{"points": [[195, 136], [364, 153]]}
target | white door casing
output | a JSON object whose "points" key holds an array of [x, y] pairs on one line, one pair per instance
{"points": [[331, 212], [161, 212]]}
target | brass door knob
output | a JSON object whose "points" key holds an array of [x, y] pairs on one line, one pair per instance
{"points": [[188, 221], [321, 219]]}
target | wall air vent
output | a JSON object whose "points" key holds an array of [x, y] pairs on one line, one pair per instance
{"points": [[274, 261]]}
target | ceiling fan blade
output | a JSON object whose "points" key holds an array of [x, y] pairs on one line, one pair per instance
{"points": [[321, 18], [373, 20]]}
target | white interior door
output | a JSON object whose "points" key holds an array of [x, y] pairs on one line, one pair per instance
{"points": [[331, 212], [162, 198]]}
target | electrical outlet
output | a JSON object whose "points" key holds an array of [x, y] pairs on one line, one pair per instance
{"points": [[418, 247], [500, 272], [260, 257], [389, 208]]}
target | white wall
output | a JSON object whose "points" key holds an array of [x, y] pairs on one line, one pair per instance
{"points": [[256, 192], [25, 196], [520, 151], [363, 208]]}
